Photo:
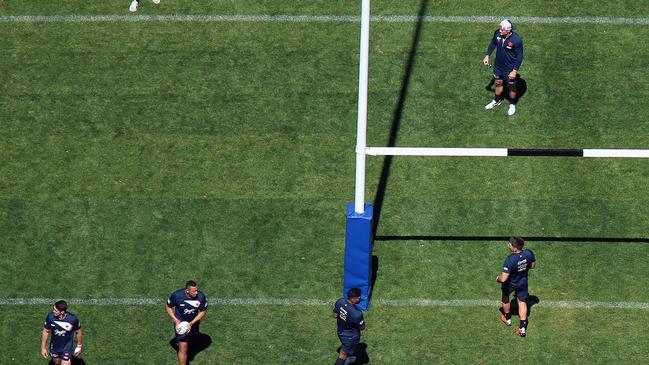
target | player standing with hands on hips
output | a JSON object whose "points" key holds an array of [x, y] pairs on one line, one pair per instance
{"points": [[62, 325], [513, 278], [509, 57], [186, 305]]}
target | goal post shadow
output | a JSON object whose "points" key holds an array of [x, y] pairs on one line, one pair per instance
{"points": [[360, 265]]}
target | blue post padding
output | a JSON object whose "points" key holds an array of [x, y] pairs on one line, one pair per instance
{"points": [[358, 254]]}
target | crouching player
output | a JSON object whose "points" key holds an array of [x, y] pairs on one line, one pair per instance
{"points": [[63, 326], [350, 324]]}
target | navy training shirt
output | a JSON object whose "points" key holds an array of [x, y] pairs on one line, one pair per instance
{"points": [[62, 329], [509, 54], [517, 265], [185, 307], [350, 318]]}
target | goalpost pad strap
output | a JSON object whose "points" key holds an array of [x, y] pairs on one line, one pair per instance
{"points": [[358, 253]]}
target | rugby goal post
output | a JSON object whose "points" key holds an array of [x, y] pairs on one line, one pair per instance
{"points": [[359, 240]]}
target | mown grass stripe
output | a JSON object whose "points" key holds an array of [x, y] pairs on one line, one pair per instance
{"points": [[322, 302], [315, 19]]}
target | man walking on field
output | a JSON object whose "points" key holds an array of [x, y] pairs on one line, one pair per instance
{"points": [[350, 323], [187, 304], [514, 279], [509, 58]]}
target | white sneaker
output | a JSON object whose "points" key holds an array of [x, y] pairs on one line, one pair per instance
{"points": [[155, 1], [512, 109], [492, 104], [133, 7]]}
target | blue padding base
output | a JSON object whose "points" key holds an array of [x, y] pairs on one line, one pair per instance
{"points": [[358, 253]]}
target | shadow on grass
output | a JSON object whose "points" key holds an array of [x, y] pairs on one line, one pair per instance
{"points": [[360, 354], [198, 344], [396, 119], [532, 300], [521, 87], [506, 238], [375, 271]]}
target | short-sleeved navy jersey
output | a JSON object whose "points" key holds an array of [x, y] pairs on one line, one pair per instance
{"points": [[185, 307], [517, 265], [509, 54], [62, 330], [350, 318]]}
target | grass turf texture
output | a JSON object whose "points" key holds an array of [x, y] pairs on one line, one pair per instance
{"points": [[127, 146]]}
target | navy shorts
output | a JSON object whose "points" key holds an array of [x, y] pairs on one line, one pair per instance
{"points": [[521, 293], [349, 344], [64, 353], [188, 336], [504, 75]]}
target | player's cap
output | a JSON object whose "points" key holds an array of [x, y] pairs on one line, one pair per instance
{"points": [[506, 25]]}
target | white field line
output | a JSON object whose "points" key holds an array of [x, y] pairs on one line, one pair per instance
{"points": [[315, 19], [322, 302]]}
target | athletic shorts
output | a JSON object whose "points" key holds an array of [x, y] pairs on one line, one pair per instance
{"points": [[188, 336], [521, 293], [349, 344], [64, 353], [504, 75]]}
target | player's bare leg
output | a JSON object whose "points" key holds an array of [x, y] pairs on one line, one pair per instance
{"points": [[506, 317], [512, 99], [512, 95], [183, 346], [498, 98], [499, 89], [342, 356], [522, 313], [522, 310]]}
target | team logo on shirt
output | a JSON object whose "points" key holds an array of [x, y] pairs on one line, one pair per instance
{"points": [[60, 332], [65, 325], [193, 303]]}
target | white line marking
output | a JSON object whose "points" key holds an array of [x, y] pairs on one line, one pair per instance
{"points": [[315, 19], [322, 302]]}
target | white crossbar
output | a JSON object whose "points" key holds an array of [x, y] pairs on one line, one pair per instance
{"points": [[616, 153], [504, 152], [421, 151]]}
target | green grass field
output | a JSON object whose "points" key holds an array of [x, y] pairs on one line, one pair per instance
{"points": [[137, 155]]}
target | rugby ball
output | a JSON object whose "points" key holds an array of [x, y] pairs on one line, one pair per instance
{"points": [[156, 1], [182, 328]]}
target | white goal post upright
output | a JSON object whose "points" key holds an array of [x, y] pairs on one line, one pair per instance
{"points": [[361, 129], [358, 265]]}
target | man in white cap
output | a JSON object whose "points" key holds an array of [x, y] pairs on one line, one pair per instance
{"points": [[509, 58]]}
